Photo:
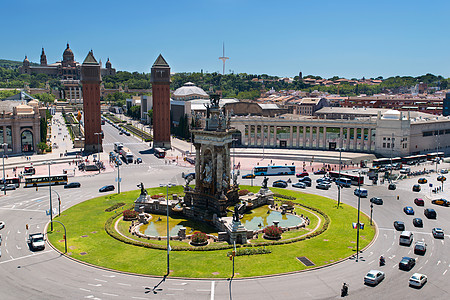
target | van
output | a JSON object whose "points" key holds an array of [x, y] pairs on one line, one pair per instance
{"points": [[406, 238], [361, 192], [345, 182]]}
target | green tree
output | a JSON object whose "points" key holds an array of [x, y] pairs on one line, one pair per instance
{"points": [[45, 97]]}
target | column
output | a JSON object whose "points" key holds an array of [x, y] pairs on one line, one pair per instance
{"points": [[348, 139], [275, 136], [317, 137], [219, 170], [297, 144], [310, 144], [341, 137], [369, 139], [304, 137], [255, 135], [324, 146], [363, 130], [355, 138], [197, 165], [291, 134]]}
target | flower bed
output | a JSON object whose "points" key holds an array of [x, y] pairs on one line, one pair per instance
{"points": [[199, 239], [272, 232], [129, 215]]}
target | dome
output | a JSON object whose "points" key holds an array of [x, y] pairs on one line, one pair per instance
{"points": [[68, 54], [189, 91], [391, 114], [26, 59]]}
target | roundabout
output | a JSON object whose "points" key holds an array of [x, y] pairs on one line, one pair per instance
{"points": [[93, 238]]}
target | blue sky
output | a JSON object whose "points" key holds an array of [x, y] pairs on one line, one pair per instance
{"points": [[325, 38]]}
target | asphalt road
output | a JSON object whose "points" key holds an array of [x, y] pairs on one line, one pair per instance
{"points": [[47, 275]]}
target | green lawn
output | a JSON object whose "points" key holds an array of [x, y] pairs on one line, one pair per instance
{"points": [[88, 241]]}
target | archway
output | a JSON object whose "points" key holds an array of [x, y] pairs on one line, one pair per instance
{"points": [[26, 139]]}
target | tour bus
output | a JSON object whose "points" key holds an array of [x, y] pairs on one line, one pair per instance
{"points": [[160, 153], [274, 170], [354, 178], [39, 180], [406, 238], [11, 180]]}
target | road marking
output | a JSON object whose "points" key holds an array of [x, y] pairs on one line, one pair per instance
{"points": [[431, 254], [98, 284], [444, 272], [438, 263], [183, 283], [126, 284], [388, 249], [394, 266], [420, 268], [140, 298], [391, 257], [385, 235], [212, 290], [172, 289], [6, 249], [372, 262], [442, 241], [426, 261], [86, 290], [100, 280], [23, 209], [409, 252], [18, 248], [114, 295], [370, 253], [12, 259], [393, 242], [18, 231]]}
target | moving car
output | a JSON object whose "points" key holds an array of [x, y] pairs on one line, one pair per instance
{"points": [[360, 192], [299, 185], [420, 247], [392, 186], [416, 188], [419, 202], [320, 172], [36, 241], [430, 213], [406, 238], [280, 183], [405, 171], [417, 222], [306, 180], [138, 160], [417, 280], [323, 185], [2, 224], [407, 263], [303, 174], [422, 180], [438, 233], [408, 210], [374, 277], [444, 171], [323, 179], [248, 176], [442, 201], [72, 185], [399, 225], [8, 187], [106, 188], [441, 178], [376, 200]]}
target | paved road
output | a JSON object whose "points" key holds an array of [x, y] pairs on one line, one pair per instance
{"points": [[47, 275]]}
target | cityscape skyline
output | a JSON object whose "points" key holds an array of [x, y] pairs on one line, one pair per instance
{"points": [[349, 39]]}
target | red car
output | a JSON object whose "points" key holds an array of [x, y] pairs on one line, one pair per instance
{"points": [[419, 202], [320, 172], [303, 174]]}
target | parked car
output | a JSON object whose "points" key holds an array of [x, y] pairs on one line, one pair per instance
{"points": [[299, 185], [306, 180], [280, 183], [107, 188], [416, 188], [192, 175], [392, 186], [405, 171], [303, 174], [417, 280], [408, 210], [323, 179], [376, 200], [430, 213], [417, 222], [127, 133], [248, 176], [72, 185], [399, 225], [422, 180], [374, 277], [420, 247], [320, 172], [8, 187], [407, 263], [438, 233], [419, 202], [442, 201], [323, 185]]}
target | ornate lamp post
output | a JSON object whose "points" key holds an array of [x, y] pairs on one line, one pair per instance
{"points": [[4, 146]]}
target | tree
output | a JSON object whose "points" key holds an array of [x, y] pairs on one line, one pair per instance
{"points": [[150, 115], [134, 112], [45, 97]]}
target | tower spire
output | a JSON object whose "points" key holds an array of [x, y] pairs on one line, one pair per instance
{"points": [[223, 58]]}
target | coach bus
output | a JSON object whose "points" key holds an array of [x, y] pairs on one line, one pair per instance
{"points": [[160, 153], [434, 155], [414, 159], [38, 180], [382, 162], [11, 180], [274, 170], [354, 178]]}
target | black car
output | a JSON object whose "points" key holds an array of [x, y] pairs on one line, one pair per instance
{"points": [[306, 180], [280, 183], [72, 185], [417, 222], [106, 188], [392, 186], [138, 160], [407, 263], [399, 225], [430, 213], [416, 188], [376, 200]]}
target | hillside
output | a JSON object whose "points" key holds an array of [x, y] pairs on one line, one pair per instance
{"points": [[12, 64]]}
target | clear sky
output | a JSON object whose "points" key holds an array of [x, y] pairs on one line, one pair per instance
{"points": [[325, 38]]}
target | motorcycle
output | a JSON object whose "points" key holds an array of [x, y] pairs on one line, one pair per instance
{"points": [[344, 290], [382, 261]]}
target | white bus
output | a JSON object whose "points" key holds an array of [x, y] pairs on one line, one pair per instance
{"points": [[274, 170]]}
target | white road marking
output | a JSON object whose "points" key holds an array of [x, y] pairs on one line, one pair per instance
{"points": [[125, 284], [18, 248], [388, 250], [442, 241], [420, 268], [394, 266], [18, 231], [372, 262], [23, 209], [409, 252], [438, 263], [391, 257], [393, 242], [431, 254], [183, 283], [426, 261], [6, 249], [444, 272], [202, 290], [98, 284], [86, 290], [140, 298], [370, 253], [172, 289], [212, 289], [114, 295], [100, 280]]}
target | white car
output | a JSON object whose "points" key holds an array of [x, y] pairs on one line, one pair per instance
{"points": [[374, 277], [417, 280], [2, 224]]}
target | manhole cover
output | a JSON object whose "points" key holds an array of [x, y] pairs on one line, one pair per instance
{"points": [[305, 261]]}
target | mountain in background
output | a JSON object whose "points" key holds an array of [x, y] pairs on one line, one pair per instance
{"points": [[12, 64]]}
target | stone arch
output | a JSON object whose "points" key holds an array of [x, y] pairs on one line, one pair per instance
{"points": [[27, 141]]}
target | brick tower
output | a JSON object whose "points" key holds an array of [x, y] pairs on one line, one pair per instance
{"points": [[160, 79], [91, 79]]}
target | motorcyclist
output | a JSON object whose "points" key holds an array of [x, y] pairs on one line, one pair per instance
{"points": [[382, 260], [344, 290]]}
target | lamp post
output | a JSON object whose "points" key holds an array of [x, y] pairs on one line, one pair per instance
{"points": [[371, 212], [50, 195], [168, 185], [339, 178], [98, 149], [4, 179], [357, 224], [59, 203], [118, 174]]}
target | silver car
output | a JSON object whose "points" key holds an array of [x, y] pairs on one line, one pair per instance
{"points": [[374, 277]]}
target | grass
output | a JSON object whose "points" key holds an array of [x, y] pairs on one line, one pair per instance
{"points": [[85, 232]]}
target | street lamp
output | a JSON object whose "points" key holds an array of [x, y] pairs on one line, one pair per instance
{"points": [[357, 224], [168, 185], [50, 194], [371, 212], [59, 203], [98, 134], [118, 173], [4, 179]]}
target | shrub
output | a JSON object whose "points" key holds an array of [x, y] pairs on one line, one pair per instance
{"points": [[243, 192], [284, 196], [129, 215], [273, 231], [199, 238], [288, 203], [115, 206], [251, 251], [157, 196]]}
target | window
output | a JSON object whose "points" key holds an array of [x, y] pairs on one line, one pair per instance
{"points": [[384, 145]]}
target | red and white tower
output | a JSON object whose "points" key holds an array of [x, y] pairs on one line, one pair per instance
{"points": [[160, 79], [91, 79]]}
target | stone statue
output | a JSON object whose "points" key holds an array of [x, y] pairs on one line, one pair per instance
{"points": [[264, 183], [224, 180], [236, 214], [207, 173], [143, 190], [235, 176]]}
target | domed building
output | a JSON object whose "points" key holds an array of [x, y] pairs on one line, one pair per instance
{"points": [[189, 92]]}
